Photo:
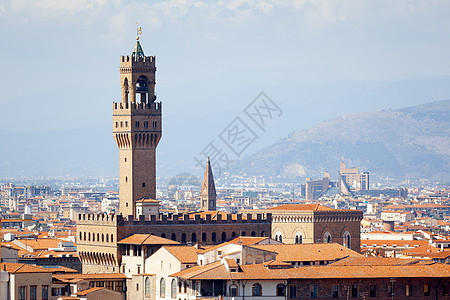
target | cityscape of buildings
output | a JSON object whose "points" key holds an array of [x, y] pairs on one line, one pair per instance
{"points": [[133, 238]]}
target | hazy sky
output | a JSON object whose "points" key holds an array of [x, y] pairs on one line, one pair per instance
{"points": [[213, 45], [214, 57]]}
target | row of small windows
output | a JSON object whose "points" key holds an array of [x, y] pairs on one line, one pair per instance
{"points": [[214, 237], [100, 238], [137, 124], [347, 239], [349, 291]]}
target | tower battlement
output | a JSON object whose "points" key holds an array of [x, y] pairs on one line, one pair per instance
{"points": [[126, 60], [137, 108], [179, 219]]}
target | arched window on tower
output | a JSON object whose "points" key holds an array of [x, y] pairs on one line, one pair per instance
{"points": [[142, 88], [194, 237]]}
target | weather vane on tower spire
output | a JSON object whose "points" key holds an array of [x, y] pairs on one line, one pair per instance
{"points": [[139, 31]]}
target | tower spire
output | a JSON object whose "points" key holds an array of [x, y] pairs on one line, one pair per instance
{"points": [[208, 193]]}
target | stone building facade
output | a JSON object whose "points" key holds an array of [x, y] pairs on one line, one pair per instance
{"points": [[98, 234], [314, 223]]}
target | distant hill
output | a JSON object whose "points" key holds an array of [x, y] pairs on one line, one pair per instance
{"points": [[412, 141]]}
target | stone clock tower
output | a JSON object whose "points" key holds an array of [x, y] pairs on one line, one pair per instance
{"points": [[137, 129]]}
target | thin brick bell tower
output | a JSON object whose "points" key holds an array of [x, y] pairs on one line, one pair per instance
{"points": [[208, 192], [137, 129]]}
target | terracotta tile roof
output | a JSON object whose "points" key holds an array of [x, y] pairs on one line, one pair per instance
{"points": [[23, 268], [147, 201], [231, 262], [88, 291], [309, 252], [301, 207], [442, 254], [402, 243], [147, 239], [243, 240], [185, 254], [217, 271]]}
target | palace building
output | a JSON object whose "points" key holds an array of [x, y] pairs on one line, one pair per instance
{"points": [[103, 239]]}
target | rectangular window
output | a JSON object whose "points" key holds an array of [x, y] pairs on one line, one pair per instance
{"points": [[137, 123], [313, 290], [426, 289], [408, 291], [354, 290], [45, 292], [33, 292], [145, 124], [126, 123], [22, 292], [119, 286], [155, 123], [292, 291], [372, 290], [109, 285], [139, 269], [100, 283], [335, 291]]}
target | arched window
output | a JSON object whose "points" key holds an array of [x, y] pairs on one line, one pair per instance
{"points": [[103, 237], [233, 290], [174, 237], [203, 237], [224, 236], [253, 233], [233, 234], [194, 237], [243, 233], [298, 238], [93, 237], [89, 236], [147, 287], [107, 238], [163, 235], [173, 289], [347, 240], [81, 236], [259, 260], [281, 290], [213, 237], [162, 288], [183, 238], [84, 235], [327, 237], [263, 233], [256, 289], [111, 237], [278, 237]]}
